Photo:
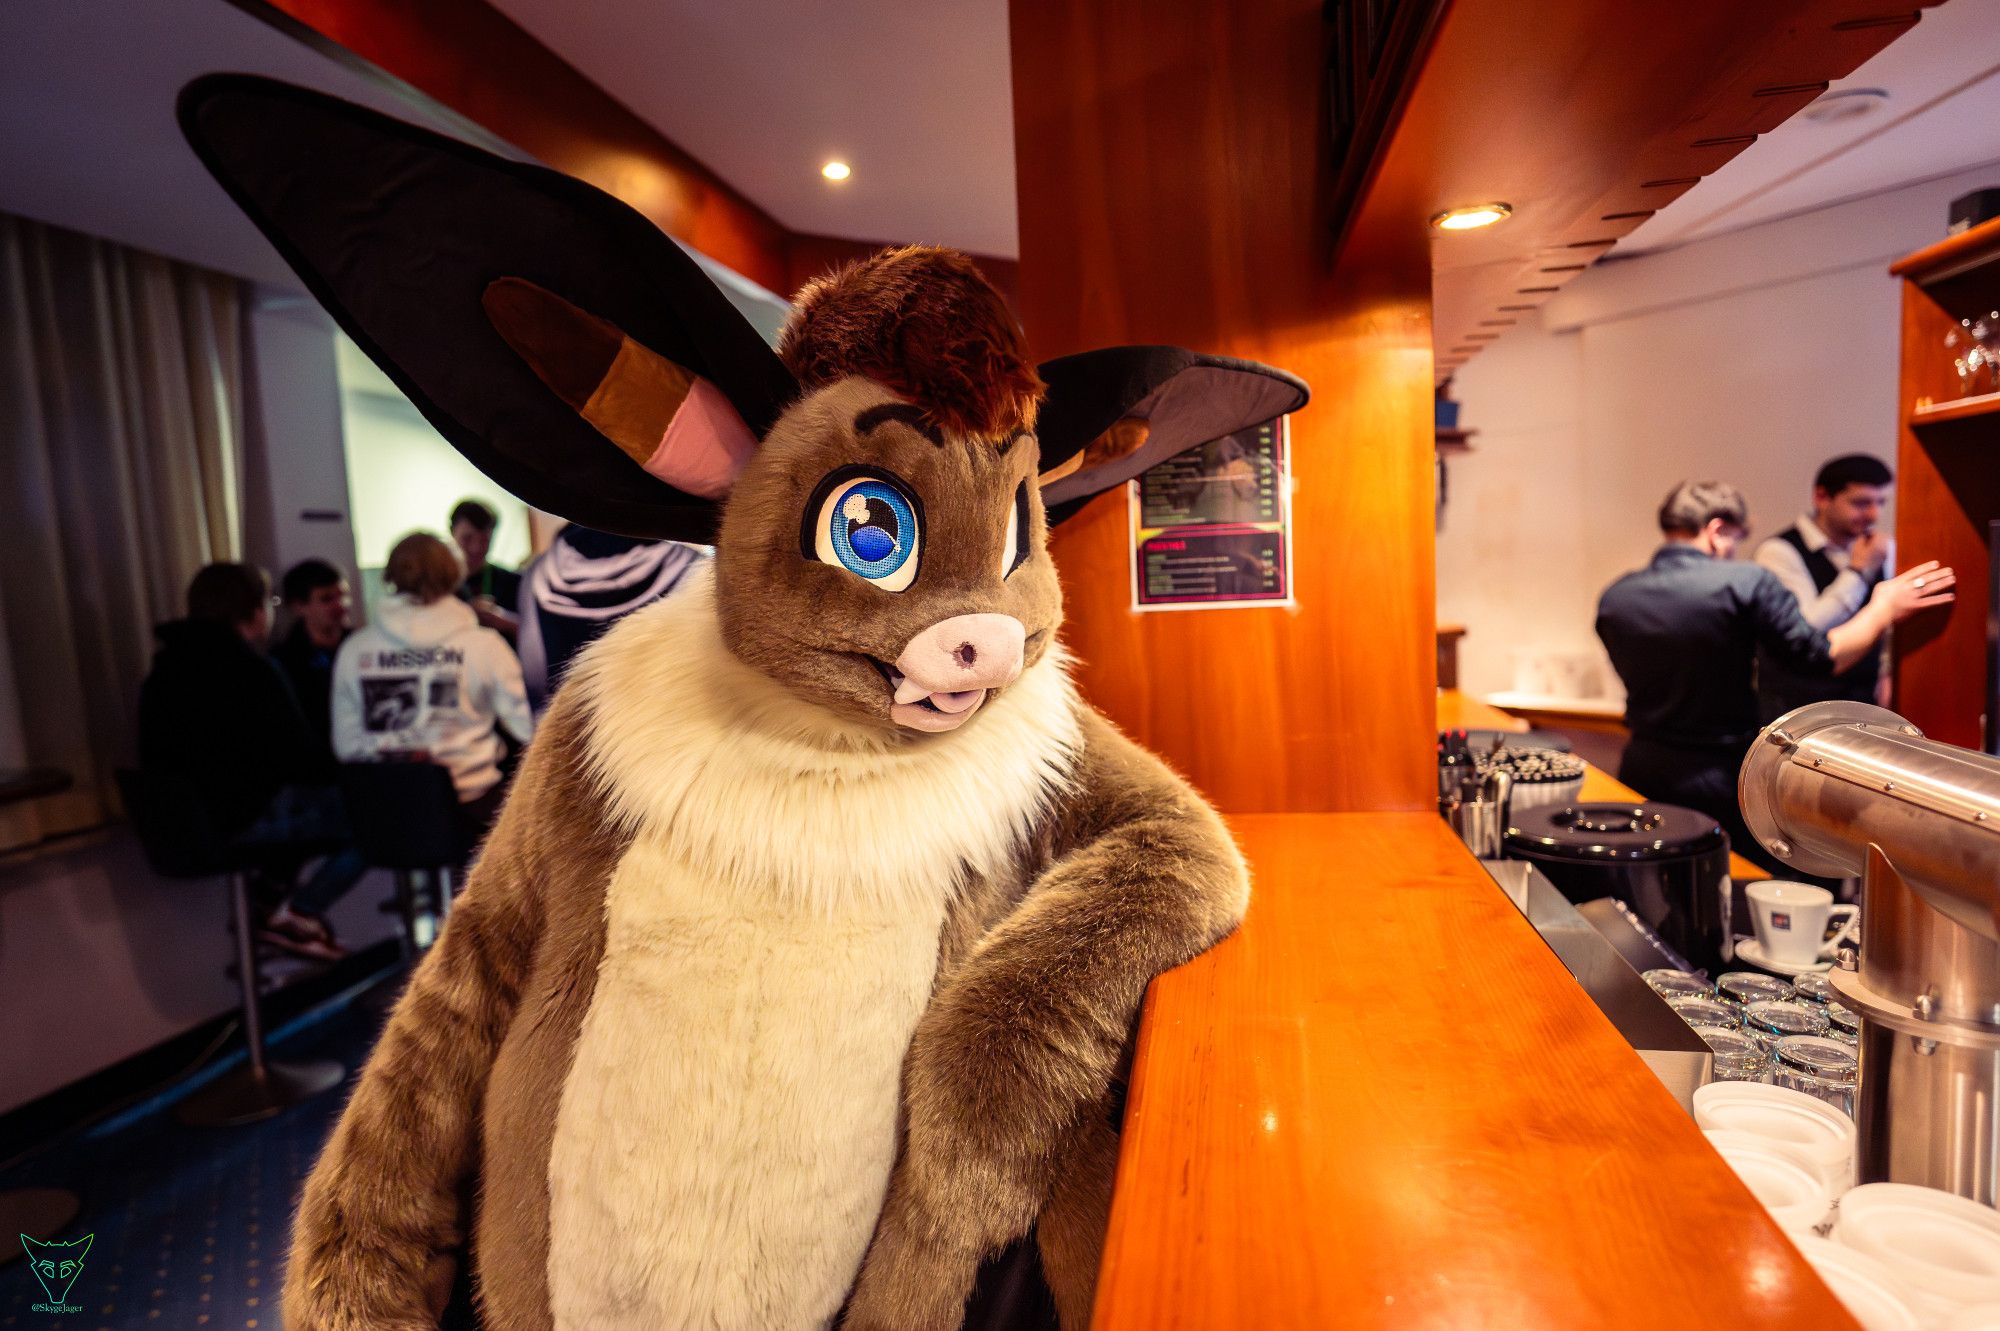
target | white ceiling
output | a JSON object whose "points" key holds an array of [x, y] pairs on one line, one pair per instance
{"points": [[87, 133], [1942, 116], [917, 98]]}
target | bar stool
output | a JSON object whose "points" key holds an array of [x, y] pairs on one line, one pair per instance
{"points": [[173, 832], [405, 819]]}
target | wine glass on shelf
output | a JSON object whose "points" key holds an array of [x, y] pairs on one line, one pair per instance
{"points": [[1977, 342]]}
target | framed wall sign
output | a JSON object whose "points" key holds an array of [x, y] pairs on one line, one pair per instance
{"points": [[1212, 527]]}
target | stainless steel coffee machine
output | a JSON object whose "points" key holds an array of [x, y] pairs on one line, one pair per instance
{"points": [[1842, 788]]}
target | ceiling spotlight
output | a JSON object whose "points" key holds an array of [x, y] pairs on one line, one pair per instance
{"points": [[1472, 217], [1844, 105], [836, 171]]}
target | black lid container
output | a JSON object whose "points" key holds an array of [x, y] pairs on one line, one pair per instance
{"points": [[1669, 864]]}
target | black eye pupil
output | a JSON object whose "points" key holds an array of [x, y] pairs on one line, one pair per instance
{"points": [[872, 528], [880, 515]]}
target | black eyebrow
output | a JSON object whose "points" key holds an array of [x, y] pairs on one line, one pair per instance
{"points": [[904, 412]]}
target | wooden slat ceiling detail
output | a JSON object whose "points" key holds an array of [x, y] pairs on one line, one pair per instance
{"points": [[1541, 106]]}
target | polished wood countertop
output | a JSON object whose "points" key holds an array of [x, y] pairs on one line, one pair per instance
{"points": [[1384, 1103], [1459, 711]]}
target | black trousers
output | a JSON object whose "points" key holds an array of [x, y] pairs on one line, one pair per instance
{"points": [[1702, 778]]}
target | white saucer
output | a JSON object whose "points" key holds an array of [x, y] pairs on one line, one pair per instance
{"points": [[1750, 950]]}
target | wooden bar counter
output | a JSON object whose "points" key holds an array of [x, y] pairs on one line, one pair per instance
{"points": [[1385, 1103]]}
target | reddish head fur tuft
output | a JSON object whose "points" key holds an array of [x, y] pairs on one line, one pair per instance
{"points": [[925, 323]]}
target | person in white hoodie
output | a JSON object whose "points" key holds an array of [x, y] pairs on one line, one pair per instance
{"points": [[425, 682]]}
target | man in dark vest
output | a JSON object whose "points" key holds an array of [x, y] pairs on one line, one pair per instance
{"points": [[1830, 560], [1684, 631]]}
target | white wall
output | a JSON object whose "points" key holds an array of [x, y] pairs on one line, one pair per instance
{"points": [[1510, 527], [295, 468], [404, 477], [1750, 357]]}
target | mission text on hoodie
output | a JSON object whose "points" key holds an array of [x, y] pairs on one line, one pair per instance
{"points": [[428, 678]]}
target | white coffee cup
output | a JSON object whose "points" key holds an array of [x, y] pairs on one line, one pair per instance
{"points": [[1790, 920]]}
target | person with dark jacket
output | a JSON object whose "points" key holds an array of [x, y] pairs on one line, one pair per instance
{"points": [[1684, 633], [317, 597], [218, 720], [585, 582]]}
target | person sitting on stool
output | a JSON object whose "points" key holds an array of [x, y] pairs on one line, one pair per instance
{"points": [[317, 598], [217, 719], [426, 682], [1683, 633]]}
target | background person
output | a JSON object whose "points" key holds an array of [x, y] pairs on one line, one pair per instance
{"points": [[317, 596], [426, 681], [218, 720], [1830, 560], [1684, 632], [493, 592]]}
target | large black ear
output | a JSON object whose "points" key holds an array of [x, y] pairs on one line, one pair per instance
{"points": [[1111, 414], [419, 245]]}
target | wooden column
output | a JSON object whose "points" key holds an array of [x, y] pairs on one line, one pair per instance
{"points": [[1168, 160]]}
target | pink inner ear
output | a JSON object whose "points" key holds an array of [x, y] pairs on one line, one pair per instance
{"points": [[706, 444]]}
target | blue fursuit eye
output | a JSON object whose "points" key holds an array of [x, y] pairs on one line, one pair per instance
{"points": [[867, 524]]}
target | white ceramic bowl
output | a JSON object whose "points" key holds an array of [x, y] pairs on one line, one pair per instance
{"points": [[1870, 1290], [1946, 1248], [1783, 1178], [1791, 1118]]}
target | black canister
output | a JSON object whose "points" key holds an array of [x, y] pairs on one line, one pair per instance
{"points": [[1669, 864]]}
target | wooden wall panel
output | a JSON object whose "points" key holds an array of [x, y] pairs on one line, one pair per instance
{"points": [[1169, 159], [471, 59], [474, 60], [1947, 487], [1588, 118]]}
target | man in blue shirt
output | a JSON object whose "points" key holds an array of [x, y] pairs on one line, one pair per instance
{"points": [[1684, 633]]}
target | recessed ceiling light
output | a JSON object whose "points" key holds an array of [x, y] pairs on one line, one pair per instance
{"points": [[1846, 104], [836, 171], [1472, 217]]}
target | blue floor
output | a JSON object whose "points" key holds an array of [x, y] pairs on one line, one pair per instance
{"points": [[189, 1224]]}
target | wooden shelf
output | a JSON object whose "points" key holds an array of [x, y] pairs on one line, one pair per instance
{"points": [[1957, 409], [1960, 273], [1947, 486], [1455, 441], [1952, 256]]}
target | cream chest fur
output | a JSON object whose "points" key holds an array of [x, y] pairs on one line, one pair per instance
{"points": [[726, 1134]]}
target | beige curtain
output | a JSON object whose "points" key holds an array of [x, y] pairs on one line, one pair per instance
{"points": [[121, 416]]}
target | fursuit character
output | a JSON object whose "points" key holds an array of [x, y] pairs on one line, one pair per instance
{"points": [[795, 980]]}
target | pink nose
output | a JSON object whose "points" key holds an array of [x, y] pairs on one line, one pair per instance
{"points": [[964, 653]]}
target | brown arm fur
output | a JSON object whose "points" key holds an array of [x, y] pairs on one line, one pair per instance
{"points": [[383, 1218], [1018, 1047]]}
